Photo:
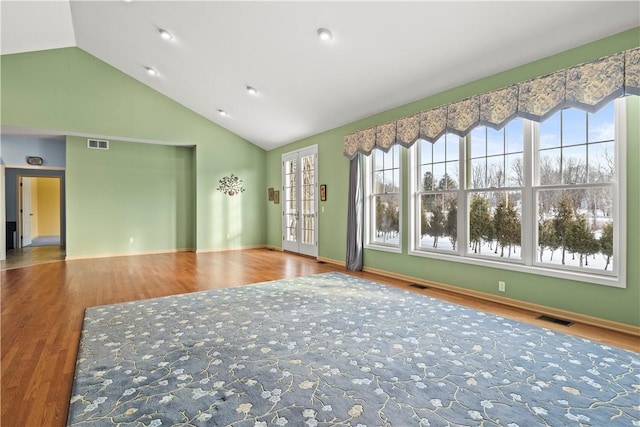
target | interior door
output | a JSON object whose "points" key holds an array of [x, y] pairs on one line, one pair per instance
{"points": [[300, 201], [26, 213]]}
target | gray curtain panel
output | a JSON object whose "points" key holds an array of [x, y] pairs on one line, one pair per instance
{"points": [[355, 218]]}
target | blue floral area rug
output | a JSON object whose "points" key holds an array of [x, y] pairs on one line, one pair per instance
{"points": [[336, 350]]}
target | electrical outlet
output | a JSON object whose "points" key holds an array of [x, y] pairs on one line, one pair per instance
{"points": [[501, 286]]}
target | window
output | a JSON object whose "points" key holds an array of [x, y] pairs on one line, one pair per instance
{"points": [[575, 190], [383, 202], [495, 184], [542, 197], [436, 198]]}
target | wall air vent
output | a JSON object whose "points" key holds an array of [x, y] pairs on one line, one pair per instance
{"points": [[99, 144]]}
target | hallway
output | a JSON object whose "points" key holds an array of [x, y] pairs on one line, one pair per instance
{"points": [[32, 255]]}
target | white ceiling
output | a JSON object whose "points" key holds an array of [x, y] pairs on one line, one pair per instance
{"points": [[383, 54]]}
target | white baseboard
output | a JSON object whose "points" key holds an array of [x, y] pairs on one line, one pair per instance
{"points": [[538, 308]]}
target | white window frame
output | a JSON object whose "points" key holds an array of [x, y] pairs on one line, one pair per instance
{"points": [[368, 206], [528, 262], [416, 192]]}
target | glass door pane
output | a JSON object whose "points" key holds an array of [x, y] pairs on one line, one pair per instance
{"points": [[299, 210]]}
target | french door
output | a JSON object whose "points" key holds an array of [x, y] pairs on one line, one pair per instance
{"points": [[300, 201]]}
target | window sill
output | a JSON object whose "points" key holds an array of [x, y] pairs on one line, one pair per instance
{"points": [[384, 248], [614, 281]]}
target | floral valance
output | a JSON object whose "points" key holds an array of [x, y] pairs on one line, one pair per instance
{"points": [[588, 86]]}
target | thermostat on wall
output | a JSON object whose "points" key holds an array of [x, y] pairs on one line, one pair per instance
{"points": [[35, 161]]}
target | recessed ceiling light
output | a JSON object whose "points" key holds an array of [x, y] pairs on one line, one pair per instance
{"points": [[252, 90], [165, 34], [151, 71], [222, 112], [324, 34]]}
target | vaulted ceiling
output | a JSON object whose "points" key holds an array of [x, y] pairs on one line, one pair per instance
{"points": [[383, 54]]}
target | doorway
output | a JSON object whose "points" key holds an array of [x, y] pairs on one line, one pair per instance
{"points": [[300, 201], [35, 217], [39, 216]]}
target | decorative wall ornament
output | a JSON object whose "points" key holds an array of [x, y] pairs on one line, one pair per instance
{"points": [[587, 86], [231, 185]]}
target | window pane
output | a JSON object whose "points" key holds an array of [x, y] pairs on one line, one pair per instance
{"points": [[550, 132], [478, 173], [495, 172], [389, 186], [602, 166], [601, 125], [452, 178], [574, 165], [478, 144], [438, 227], [439, 149], [495, 142], [438, 173], [575, 228], [495, 227], [378, 182], [425, 152], [394, 155], [514, 136], [453, 145], [515, 170], [574, 127], [377, 159], [427, 178], [549, 168], [385, 220]]}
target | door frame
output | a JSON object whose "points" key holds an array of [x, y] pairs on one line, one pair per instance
{"points": [[19, 224], [298, 247]]}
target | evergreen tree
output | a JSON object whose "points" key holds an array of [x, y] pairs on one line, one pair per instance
{"points": [[606, 242], [579, 239], [436, 225], [547, 237], [514, 226], [424, 222], [500, 225], [451, 226], [562, 222], [380, 211], [506, 224], [392, 214], [447, 183], [479, 221], [427, 181]]}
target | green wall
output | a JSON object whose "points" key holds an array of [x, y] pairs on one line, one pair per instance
{"points": [[131, 190], [621, 305], [70, 92]]}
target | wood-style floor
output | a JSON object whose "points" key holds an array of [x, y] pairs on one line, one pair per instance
{"points": [[43, 307]]}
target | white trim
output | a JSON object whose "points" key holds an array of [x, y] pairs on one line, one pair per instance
{"points": [[40, 168], [542, 309], [539, 308], [620, 260], [297, 246]]}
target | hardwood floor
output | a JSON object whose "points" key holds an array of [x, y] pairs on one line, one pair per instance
{"points": [[43, 308], [29, 256]]}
